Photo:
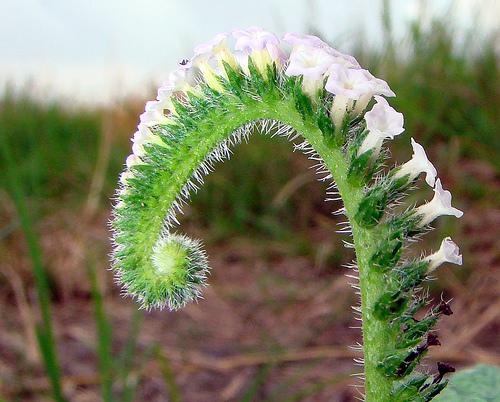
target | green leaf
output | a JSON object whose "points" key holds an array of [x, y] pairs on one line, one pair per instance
{"points": [[478, 383]]}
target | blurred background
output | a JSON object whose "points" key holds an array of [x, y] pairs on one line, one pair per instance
{"points": [[275, 322]]}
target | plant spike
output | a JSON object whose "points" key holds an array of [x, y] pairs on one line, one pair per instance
{"points": [[220, 97]]}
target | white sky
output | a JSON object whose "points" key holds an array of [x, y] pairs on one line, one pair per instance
{"points": [[99, 50]]}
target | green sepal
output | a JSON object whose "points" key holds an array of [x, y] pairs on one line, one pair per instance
{"points": [[303, 103], [391, 363], [387, 255], [409, 388], [361, 169], [235, 80], [396, 186], [342, 132], [434, 390], [257, 80], [417, 389], [402, 226], [415, 331], [184, 112], [325, 122], [390, 305], [272, 79], [411, 360], [411, 274], [409, 313], [400, 363], [372, 207], [357, 167], [359, 118]]}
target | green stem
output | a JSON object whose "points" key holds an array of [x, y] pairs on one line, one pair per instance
{"points": [[377, 334], [184, 159]]}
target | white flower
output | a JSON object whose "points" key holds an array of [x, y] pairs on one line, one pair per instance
{"points": [[417, 164], [439, 205], [242, 59], [351, 83], [178, 80], [133, 160], [124, 176], [307, 42], [378, 85], [303, 42], [144, 136], [215, 48], [155, 112], [383, 122], [312, 63], [254, 39], [448, 252], [261, 45], [343, 59]]}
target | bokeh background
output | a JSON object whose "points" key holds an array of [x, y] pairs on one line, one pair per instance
{"points": [[276, 322]]}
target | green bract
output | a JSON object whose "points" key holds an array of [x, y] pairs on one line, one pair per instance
{"points": [[222, 96]]}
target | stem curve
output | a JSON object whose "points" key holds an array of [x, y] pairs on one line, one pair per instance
{"points": [[216, 101]]}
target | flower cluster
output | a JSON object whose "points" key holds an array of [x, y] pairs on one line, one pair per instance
{"points": [[245, 81], [320, 68]]}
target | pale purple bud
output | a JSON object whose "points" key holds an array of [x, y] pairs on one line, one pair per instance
{"points": [[417, 164], [212, 45], [439, 205], [448, 252]]}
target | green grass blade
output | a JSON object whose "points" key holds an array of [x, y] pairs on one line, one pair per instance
{"points": [[47, 348], [168, 375], [255, 385], [45, 333], [126, 359], [103, 338]]}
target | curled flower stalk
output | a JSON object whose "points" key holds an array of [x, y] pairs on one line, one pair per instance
{"points": [[242, 82]]}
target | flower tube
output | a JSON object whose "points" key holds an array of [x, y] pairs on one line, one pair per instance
{"points": [[438, 206], [448, 252]]}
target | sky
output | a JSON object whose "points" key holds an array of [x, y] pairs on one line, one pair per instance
{"points": [[100, 51]]}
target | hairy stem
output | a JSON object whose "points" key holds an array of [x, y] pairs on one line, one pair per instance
{"points": [[321, 94], [377, 334]]}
